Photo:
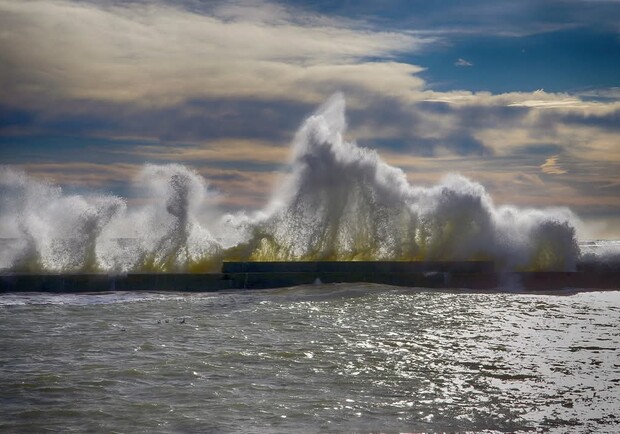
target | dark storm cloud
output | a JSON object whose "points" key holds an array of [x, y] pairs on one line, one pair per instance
{"points": [[606, 121], [190, 121], [540, 149], [14, 117]]}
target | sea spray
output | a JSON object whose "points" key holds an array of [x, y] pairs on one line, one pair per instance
{"points": [[49, 230], [337, 201], [342, 202], [165, 235], [53, 231]]}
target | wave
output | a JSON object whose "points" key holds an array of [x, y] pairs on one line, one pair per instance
{"points": [[337, 201]]}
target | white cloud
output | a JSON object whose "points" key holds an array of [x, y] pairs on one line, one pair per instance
{"points": [[536, 99], [463, 62], [551, 166], [156, 54]]}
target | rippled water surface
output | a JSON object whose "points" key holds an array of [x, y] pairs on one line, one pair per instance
{"points": [[319, 358]]}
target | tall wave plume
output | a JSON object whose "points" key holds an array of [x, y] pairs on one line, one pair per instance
{"points": [[337, 201], [341, 201]]}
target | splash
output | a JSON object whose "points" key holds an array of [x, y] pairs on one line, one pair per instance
{"points": [[166, 235], [51, 230], [343, 202], [57, 232], [338, 201]]}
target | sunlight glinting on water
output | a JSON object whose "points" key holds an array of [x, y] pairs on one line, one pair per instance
{"points": [[345, 357]]}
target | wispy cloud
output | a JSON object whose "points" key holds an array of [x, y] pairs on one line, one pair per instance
{"points": [[551, 166], [463, 62], [241, 189], [536, 99], [225, 150], [83, 174], [158, 54]]}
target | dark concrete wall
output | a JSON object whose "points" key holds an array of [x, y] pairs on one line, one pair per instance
{"points": [[358, 267], [68, 283], [282, 275]]}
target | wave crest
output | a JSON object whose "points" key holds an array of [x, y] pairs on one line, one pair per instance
{"points": [[338, 201]]}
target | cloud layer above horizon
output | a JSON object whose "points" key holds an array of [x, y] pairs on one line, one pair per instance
{"points": [[92, 90]]}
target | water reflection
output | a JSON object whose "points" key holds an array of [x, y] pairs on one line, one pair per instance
{"points": [[323, 358]]}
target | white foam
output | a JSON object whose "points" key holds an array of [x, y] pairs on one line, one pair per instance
{"points": [[337, 201], [341, 201]]}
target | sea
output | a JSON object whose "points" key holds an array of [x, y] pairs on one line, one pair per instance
{"points": [[317, 358]]}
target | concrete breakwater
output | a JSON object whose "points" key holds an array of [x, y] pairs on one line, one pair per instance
{"points": [[476, 275]]}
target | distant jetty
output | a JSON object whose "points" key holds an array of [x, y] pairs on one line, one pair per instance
{"points": [[475, 275]]}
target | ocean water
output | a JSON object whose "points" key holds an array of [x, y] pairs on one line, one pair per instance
{"points": [[315, 358]]}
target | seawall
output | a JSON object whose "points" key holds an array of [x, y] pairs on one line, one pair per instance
{"points": [[262, 275]]}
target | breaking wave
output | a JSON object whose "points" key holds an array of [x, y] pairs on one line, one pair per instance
{"points": [[337, 201]]}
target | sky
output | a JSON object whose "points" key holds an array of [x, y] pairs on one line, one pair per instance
{"points": [[522, 96]]}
